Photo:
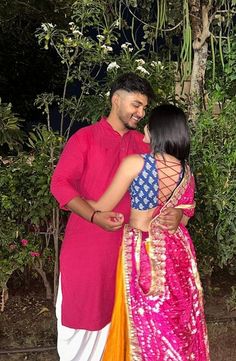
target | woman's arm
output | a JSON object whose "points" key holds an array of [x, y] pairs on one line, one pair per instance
{"points": [[110, 221], [66, 178], [127, 171]]}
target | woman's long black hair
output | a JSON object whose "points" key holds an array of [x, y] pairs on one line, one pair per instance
{"points": [[169, 131]]}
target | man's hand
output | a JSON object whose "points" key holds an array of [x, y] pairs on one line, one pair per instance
{"points": [[109, 221], [170, 219]]}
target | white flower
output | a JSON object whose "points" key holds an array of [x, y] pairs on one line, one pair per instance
{"points": [[71, 23], [106, 48], [140, 61], [100, 37], [153, 64], [143, 70], [131, 49], [77, 32], [107, 94], [126, 45], [117, 23], [159, 64], [44, 27], [47, 26], [30, 160], [113, 65]]}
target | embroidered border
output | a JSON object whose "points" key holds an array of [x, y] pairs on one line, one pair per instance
{"points": [[130, 236]]}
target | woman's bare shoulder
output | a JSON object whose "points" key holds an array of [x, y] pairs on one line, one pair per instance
{"points": [[133, 163], [133, 159]]}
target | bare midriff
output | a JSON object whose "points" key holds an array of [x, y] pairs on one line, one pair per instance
{"points": [[141, 219]]}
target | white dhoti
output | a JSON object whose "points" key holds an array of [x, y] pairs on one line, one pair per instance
{"points": [[78, 345]]}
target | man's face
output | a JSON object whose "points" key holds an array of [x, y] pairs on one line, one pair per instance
{"points": [[130, 108]]}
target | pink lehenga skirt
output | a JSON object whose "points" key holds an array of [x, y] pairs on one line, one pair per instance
{"points": [[158, 312]]}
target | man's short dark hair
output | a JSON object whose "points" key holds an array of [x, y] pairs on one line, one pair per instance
{"points": [[132, 83]]}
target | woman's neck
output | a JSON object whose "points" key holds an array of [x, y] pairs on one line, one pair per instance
{"points": [[166, 157]]}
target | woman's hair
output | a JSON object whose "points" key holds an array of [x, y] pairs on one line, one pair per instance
{"points": [[169, 131]]}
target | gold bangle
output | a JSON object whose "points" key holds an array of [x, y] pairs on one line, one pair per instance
{"points": [[93, 214]]}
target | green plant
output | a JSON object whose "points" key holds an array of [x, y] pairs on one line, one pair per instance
{"points": [[29, 230], [231, 300], [81, 53], [223, 82], [214, 164], [98, 43], [92, 54], [10, 131]]}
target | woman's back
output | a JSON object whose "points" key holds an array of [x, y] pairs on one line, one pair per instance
{"points": [[152, 187]]}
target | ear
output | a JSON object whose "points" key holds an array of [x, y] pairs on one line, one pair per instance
{"points": [[115, 99], [147, 138]]}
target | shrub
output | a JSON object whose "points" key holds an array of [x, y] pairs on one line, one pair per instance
{"points": [[214, 164], [29, 230]]}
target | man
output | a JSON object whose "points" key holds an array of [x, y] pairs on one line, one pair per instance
{"points": [[89, 253]]}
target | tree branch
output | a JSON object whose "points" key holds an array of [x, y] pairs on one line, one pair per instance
{"points": [[29, 6]]}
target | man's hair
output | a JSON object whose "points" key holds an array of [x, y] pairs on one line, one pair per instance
{"points": [[132, 83], [169, 131]]}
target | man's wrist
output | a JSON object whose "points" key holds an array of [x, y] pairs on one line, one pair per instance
{"points": [[93, 214]]}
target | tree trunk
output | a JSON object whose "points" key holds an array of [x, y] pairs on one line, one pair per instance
{"points": [[200, 23], [196, 95], [46, 283], [3, 298]]}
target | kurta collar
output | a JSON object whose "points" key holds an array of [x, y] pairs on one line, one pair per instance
{"points": [[104, 123]]}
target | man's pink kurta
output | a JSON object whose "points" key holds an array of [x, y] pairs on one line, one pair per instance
{"points": [[89, 254]]}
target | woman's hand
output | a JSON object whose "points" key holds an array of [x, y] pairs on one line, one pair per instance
{"points": [[109, 221]]}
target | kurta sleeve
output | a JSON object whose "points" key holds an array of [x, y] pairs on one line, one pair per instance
{"points": [[65, 182], [141, 147]]}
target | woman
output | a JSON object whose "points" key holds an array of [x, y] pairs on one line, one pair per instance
{"points": [[158, 312]]}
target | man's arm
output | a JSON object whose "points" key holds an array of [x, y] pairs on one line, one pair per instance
{"points": [[65, 181], [170, 219], [109, 221]]}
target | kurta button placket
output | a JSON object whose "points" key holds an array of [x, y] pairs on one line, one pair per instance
{"points": [[123, 146]]}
